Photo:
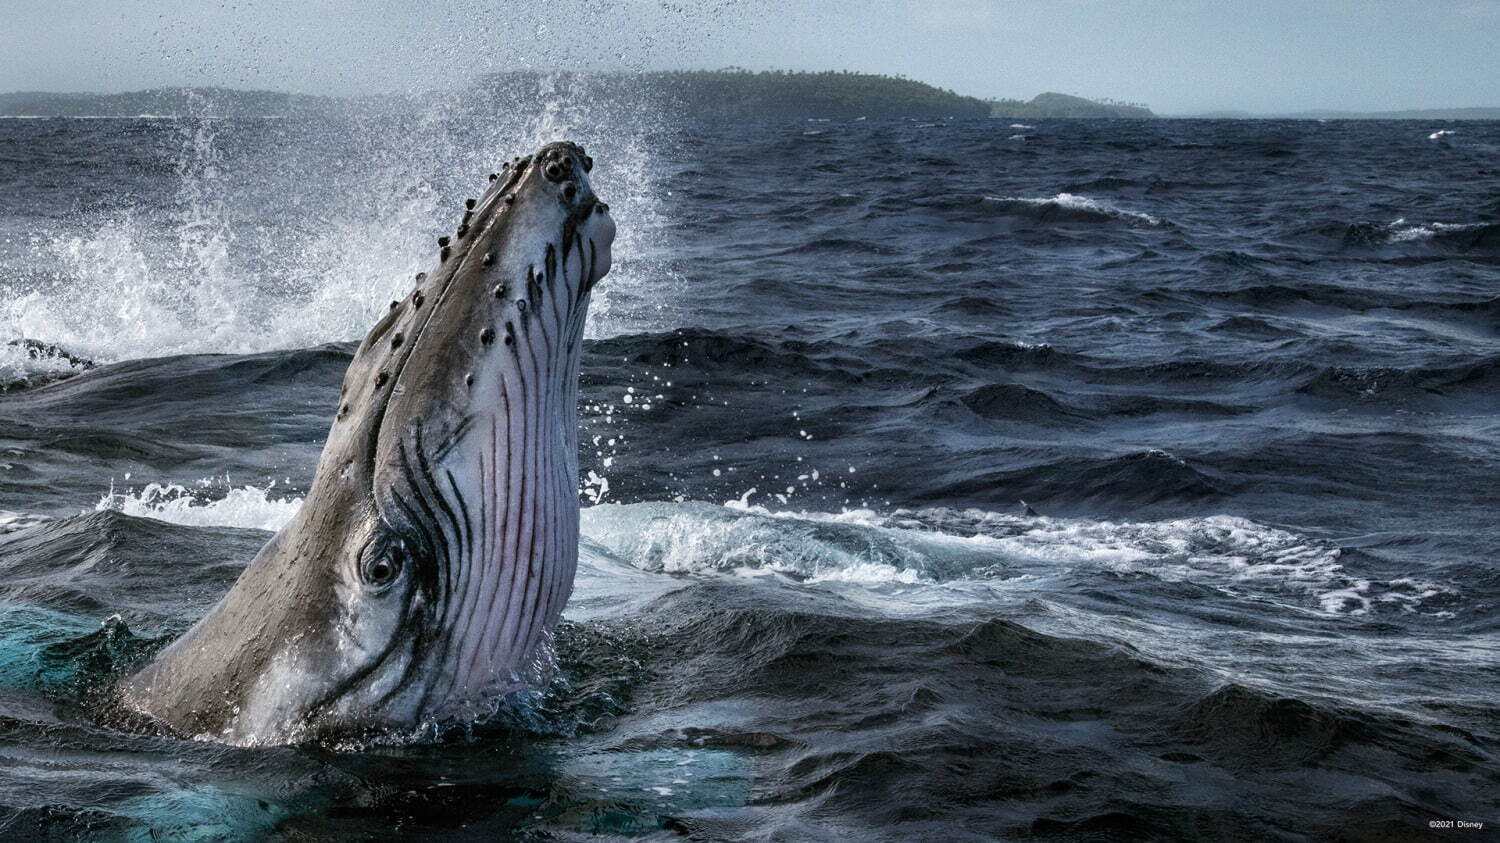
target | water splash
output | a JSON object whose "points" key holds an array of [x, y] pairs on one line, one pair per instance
{"points": [[1071, 206], [291, 233], [247, 506], [29, 364]]}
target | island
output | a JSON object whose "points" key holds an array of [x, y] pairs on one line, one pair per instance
{"points": [[728, 94]]}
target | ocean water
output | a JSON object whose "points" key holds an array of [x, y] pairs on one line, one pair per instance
{"points": [[1245, 376]]}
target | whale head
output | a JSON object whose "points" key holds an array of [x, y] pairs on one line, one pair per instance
{"points": [[438, 541]]}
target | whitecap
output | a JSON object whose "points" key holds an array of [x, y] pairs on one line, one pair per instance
{"points": [[1400, 232], [246, 506], [940, 547], [23, 365], [14, 522], [1080, 204]]}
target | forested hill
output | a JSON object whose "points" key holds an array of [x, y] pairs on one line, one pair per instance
{"points": [[1047, 105], [713, 94], [832, 94]]}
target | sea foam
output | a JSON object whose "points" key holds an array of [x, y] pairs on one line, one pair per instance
{"points": [[246, 506], [1082, 207], [1403, 232]]}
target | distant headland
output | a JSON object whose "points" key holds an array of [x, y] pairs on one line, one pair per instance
{"points": [[1044, 106], [731, 94]]}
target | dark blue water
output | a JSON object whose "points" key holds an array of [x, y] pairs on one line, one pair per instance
{"points": [[1246, 375]]}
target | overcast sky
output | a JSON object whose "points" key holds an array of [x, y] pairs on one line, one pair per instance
{"points": [[1176, 55]]}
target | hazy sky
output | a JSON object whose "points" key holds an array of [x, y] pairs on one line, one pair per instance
{"points": [[1176, 55]]}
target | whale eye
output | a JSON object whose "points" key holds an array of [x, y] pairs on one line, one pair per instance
{"points": [[382, 572], [382, 567]]}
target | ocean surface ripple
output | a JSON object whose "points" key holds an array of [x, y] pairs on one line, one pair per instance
{"points": [[1245, 376]]}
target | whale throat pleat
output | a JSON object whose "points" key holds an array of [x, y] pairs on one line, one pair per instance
{"points": [[512, 552]]}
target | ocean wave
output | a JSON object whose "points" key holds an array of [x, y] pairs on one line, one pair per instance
{"points": [[1440, 237], [13, 522], [1479, 376], [1243, 728], [1002, 355], [1485, 311], [1279, 296], [246, 506], [935, 546], [1070, 207], [1015, 402], [1253, 328], [1270, 296], [26, 363], [711, 351], [993, 688], [1402, 232], [1018, 403], [1220, 550], [721, 684]]}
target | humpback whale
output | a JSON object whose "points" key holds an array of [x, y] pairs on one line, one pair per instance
{"points": [[438, 540]]}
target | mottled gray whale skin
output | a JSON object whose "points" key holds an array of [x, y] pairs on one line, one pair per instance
{"points": [[438, 541]]}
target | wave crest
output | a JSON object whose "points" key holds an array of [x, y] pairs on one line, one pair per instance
{"points": [[246, 506], [1070, 207]]}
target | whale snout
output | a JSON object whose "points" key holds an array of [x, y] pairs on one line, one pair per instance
{"points": [[560, 172]]}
